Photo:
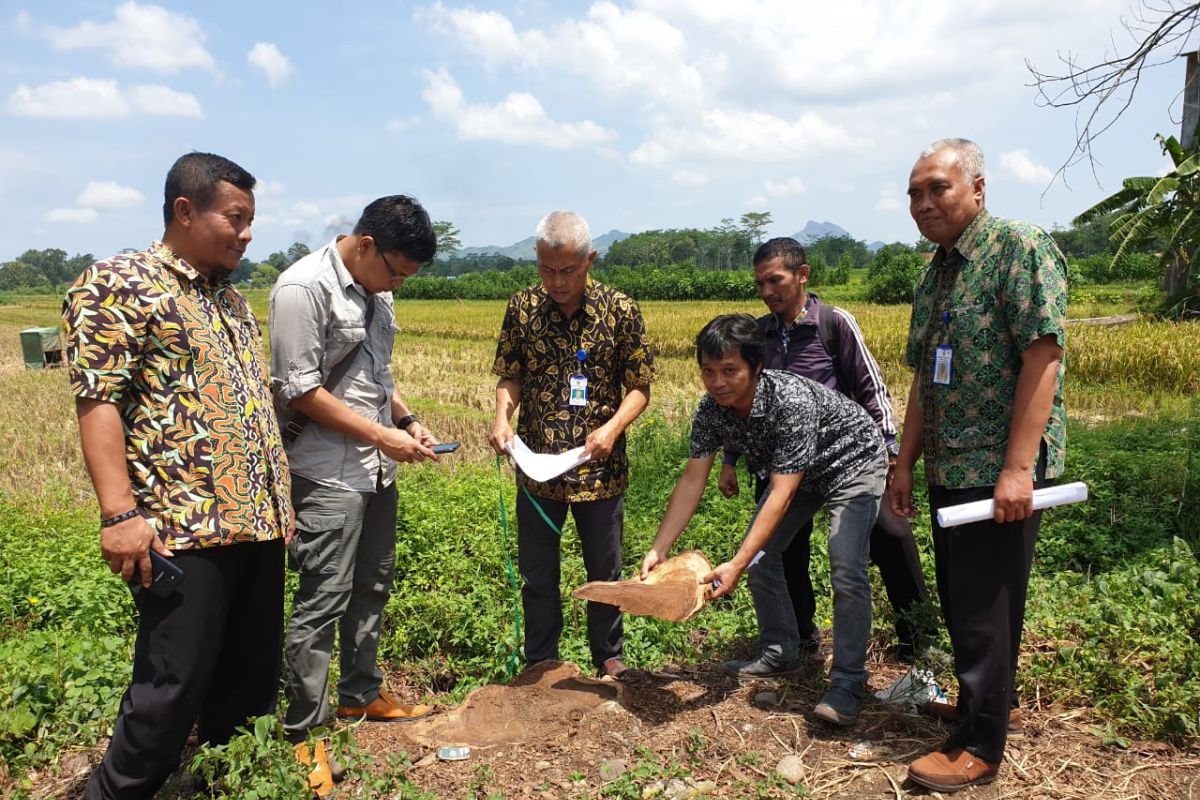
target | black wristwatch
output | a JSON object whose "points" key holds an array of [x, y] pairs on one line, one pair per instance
{"points": [[405, 421]]}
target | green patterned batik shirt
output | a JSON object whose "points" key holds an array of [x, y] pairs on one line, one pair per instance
{"points": [[538, 348], [1002, 286]]}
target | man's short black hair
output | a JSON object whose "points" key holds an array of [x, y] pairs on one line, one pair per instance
{"points": [[398, 224], [195, 176], [728, 333], [791, 251]]}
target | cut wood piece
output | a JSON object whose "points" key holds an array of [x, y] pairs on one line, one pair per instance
{"points": [[672, 591]]}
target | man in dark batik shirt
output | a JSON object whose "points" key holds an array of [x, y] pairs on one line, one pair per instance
{"points": [[815, 448], [573, 355]]}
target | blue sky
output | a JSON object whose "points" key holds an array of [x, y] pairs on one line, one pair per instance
{"points": [[639, 114]]}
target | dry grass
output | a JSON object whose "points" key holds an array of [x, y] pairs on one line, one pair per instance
{"points": [[443, 368]]}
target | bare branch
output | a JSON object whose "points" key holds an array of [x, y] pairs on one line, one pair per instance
{"points": [[1159, 32]]}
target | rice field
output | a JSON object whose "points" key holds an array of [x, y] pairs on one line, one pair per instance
{"points": [[444, 353]]}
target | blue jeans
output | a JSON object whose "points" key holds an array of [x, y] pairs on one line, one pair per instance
{"points": [[852, 509]]}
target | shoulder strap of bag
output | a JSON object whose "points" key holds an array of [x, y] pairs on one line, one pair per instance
{"points": [[827, 333], [300, 420]]}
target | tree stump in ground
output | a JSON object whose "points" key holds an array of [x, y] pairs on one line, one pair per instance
{"points": [[672, 591]]}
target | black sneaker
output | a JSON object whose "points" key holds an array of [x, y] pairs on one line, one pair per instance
{"points": [[763, 667], [839, 706]]}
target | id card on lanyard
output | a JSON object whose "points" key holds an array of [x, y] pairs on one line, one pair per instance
{"points": [[577, 385], [943, 355]]}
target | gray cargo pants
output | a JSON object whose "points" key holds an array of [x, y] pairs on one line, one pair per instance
{"points": [[345, 552]]}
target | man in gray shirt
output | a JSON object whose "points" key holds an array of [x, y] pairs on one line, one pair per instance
{"points": [[332, 328]]}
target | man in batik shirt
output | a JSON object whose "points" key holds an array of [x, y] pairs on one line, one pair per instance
{"points": [[181, 443], [573, 355], [986, 341]]}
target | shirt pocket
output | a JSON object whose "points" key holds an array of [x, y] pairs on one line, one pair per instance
{"points": [[973, 437], [340, 342]]}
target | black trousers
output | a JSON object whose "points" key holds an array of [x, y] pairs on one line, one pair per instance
{"points": [[982, 579], [600, 524], [893, 550], [209, 653]]}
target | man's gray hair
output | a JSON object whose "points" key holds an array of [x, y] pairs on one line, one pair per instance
{"points": [[970, 157], [560, 229]]}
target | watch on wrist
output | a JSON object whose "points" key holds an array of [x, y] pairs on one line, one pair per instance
{"points": [[893, 448], [405, 421]]}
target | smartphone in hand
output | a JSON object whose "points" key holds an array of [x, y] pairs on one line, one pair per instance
{"points": [[165, 576], [444, 447]]}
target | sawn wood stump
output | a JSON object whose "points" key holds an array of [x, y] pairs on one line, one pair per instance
{"points": [[672, 591]]}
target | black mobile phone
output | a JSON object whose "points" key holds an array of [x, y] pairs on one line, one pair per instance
{"points": [[165, 576], [444, 447]]}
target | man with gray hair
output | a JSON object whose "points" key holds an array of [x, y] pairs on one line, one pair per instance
{"points": [[986, 342], [573, 354]]}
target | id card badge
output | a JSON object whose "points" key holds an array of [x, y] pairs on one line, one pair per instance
{"points": [[943, 368], [578, 393]]}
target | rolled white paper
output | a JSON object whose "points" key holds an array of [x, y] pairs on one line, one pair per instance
{"points": [[952, 516]]}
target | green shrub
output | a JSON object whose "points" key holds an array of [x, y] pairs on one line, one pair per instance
{"points": [[893, 274]]}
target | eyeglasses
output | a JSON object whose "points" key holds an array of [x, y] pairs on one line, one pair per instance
{"points": [[400, 276]]}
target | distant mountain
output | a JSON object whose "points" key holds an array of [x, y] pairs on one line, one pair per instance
{"points": [[875, 247], [814, 230], [524, 249]]}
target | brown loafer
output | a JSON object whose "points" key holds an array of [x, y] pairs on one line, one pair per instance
{"points": [[320, 779], [948, 712], [384, 708], [613, 668], [949, 772]]}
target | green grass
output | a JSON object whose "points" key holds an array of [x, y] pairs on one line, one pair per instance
{"points": [[1113, 623]]}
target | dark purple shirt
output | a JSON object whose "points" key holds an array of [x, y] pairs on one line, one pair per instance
{"points": [[855, 373]]}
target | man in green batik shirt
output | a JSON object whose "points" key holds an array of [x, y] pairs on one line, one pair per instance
{"points": [[986, 409]]}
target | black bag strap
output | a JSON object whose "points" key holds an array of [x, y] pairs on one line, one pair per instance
{"points": [[300, 420], [827, 333]]}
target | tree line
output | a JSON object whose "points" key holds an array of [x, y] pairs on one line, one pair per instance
{"points": [[668, 264]]}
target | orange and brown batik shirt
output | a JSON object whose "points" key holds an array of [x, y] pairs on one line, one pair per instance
{"points": [[181, 357]]}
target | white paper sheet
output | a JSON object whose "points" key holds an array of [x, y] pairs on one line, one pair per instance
{"points": [[542, 467], [951, 516]]}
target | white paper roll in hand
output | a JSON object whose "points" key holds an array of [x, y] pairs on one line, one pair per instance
{"points": [[952, 516]]}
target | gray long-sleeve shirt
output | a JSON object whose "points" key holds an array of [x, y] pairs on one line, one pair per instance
{"points": [[317, 316]]}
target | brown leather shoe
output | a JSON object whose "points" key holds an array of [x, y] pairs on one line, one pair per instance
{"points": [[320, 780], [384, 708], [949, 772], [948, 712], [613, 668]]}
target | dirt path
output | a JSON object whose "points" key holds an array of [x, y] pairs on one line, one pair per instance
{"points": [[716, 738]]}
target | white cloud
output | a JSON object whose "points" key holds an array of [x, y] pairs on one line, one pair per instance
{"points": [[746, 136], [21, 22], [889, 198], [141, 37], [274, 64], [162, 101], [615, 49], [757, 201], [687, 177], [785, 188], [92, 98], [108, 194], [1019, 165], [489, 34], [266, 188], [71, 215], [518, 119]]}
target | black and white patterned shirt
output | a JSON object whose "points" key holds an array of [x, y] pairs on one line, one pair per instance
{"points": [[795, 425]]}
